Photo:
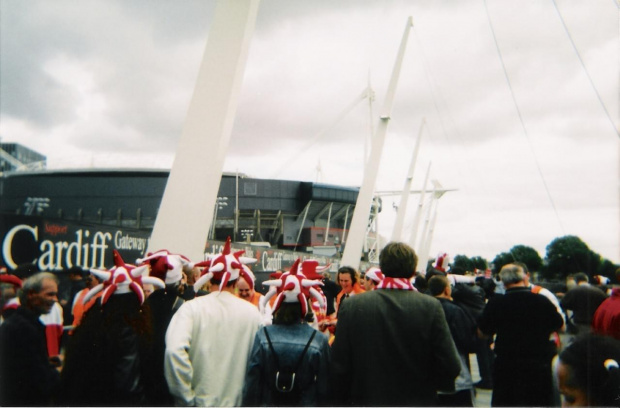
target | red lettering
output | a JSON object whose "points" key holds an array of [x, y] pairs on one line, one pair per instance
{"points": [[55, 229]]}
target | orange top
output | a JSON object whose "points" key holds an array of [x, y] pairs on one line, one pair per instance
{"points": [[255, 298], [357, 289], [79, 308]]}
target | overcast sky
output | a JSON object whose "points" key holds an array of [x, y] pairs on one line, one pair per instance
{"points": [[522, 121]]}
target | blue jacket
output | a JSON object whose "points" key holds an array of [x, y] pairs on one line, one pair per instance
{"points": [[289, 342]]}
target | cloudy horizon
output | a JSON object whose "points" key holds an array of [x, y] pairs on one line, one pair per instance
{"points": [[520, 102]]}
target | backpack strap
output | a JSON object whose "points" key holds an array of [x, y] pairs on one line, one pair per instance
{"points": [[277, 361], [275, 355], [301, 358], [273, 352]]}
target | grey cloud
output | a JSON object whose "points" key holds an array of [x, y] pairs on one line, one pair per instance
{"points": [[308, 60]]}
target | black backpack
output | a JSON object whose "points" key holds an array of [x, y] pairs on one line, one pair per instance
{"points": [[284, 390]]}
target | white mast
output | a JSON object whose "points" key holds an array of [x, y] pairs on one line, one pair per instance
{"points": [[429, 227], [418, 213], [187, 207], [359, 223], [423, 256], [368, 139], [404, 198], [421, 250]]}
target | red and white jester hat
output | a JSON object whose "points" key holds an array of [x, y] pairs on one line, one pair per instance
{"points": [[310, 269], [292, 287], [247, 274], [8, 278], [122, 278], [225, 267], [374, 274], [165, 266], [443, 260]]}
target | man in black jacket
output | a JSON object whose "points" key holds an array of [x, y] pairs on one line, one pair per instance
{"points": [[523, 322], [27, 376], [463, 329]]}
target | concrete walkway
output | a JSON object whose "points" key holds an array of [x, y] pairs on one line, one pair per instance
{"points": [[483, 397]]}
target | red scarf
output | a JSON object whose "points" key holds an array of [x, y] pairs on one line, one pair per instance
{"points": [[395, 283]]}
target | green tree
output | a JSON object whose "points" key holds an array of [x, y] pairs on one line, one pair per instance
{"points": [[595, 262], [528, 255], [500, 260], [568, 255], [608, 269], [479, 263], [463, 262]]}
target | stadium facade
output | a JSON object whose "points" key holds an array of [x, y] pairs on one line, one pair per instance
{"points": [[61, 218]]}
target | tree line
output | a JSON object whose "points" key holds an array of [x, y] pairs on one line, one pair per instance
{"points": [[564, 256]]}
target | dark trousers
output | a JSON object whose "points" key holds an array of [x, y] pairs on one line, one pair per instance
{"points": [[485, 357], [522, 382]]}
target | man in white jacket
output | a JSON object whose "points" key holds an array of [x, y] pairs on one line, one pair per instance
{"points": [[209, 339]]}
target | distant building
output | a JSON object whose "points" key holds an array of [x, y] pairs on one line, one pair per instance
{"points": [[58, 215], [15, 157]]}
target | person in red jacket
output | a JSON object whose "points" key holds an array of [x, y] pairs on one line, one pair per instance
{"points": [[606, 320]]}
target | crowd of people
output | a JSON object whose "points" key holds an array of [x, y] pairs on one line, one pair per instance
{"points": [[166, 331]]}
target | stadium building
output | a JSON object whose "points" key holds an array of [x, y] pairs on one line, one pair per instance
{"points": [[61, 218]]}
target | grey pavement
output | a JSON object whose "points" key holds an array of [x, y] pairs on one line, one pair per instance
{"points": [[483, 397]]}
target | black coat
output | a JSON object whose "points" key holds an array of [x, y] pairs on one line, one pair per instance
{"points": [[523, 322], [26, 375], [163, 303], [462, 327], [104, 360], [392, 348]]}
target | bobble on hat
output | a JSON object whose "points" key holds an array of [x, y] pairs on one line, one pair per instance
{"points": [[122, 278], [225, 267], [374, 274], [165, 266]]}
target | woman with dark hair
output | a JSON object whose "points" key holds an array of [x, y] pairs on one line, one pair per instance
{"points": [[588, 372], [289, 362], [104, 364]]}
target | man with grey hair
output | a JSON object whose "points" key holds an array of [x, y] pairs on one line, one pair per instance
{"points": [[522, 322], [27, 376]]}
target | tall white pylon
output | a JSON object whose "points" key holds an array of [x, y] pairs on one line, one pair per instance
{"points": [[418, 213], [357, 233], [429, 227], [186, 209], [404, 198]]}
